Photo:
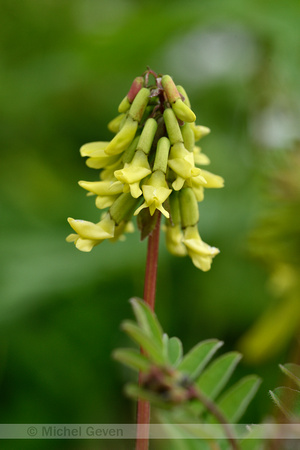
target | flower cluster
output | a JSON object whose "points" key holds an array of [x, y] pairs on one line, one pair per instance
{"points": [[150, 166]]}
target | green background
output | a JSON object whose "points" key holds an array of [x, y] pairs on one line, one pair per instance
{"points": [[64, 68]]}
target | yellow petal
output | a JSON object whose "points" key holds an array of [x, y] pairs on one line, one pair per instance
{"points": [[123, 139], [200, 252], [88, 230], [212, 180], [94, 149], [102, 187], [86, 245], [174, 243], [103, 201]]}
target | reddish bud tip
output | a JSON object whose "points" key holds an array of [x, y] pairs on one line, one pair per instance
{"points": [[136, 86]]}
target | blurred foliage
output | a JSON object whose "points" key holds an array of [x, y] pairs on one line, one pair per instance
{"points": [[181, 387], [63, 68], [275, 242]]}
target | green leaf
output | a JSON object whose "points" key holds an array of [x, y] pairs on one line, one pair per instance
{"points": [[188, 439], [195, 360], [174, 350], [235, 401], [147, 320], [140, 337], [215, 377], [292, 371], [288, 400], [132, 358]]}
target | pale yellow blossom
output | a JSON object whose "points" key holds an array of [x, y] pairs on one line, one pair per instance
{"points": [[156, 192], [201, 253]]}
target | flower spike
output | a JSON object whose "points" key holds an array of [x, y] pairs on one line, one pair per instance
{"points": [[149, 166]]}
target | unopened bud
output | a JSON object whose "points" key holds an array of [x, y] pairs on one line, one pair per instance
{"points": [[139, 104], [172, 126], [188, 207], [188, 137], [123, 208], [162, 154], [147, 136], [170, 88]]}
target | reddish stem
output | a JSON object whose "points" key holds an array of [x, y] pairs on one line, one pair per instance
{"points": [[151, 265], [143, 407]]}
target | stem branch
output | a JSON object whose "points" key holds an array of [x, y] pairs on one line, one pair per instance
{"points": [[215, 411]]}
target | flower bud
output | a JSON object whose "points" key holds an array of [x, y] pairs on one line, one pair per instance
{"points": [[136, 86], [162, 154], [183, 112], [172, 126], [170, 88], [124, 105], [183, 93], [123, 208], [147, 136], [188, 137], [139, 104], [114, 125], [188, 204], [123, 139]]}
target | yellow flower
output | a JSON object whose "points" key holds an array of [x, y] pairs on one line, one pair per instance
{"points": [[108, 174], [212, 180], [90, 234], [97, 156], [106, 191], [200, 252], [174, 238], [199, 157], [207, 180], [156, 192], [199, 131], [123, 138], [181, 161], [133, 173]]}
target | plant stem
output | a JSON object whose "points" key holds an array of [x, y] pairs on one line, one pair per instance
{"points": [[143, 407], [215, 411], [151, 265]]}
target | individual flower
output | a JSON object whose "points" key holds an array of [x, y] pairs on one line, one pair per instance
{"points": [[123, 138], [181, 161], [97, 156], [201, 253], [199, 157], [106, 191], [89, 234], [156, 192], [133, 173], [174, 238]]}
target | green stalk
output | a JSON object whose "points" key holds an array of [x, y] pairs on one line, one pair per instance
{"points": [[143, 406]]}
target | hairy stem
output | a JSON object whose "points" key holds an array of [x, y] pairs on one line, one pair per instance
{"points": [[143, 407]]}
